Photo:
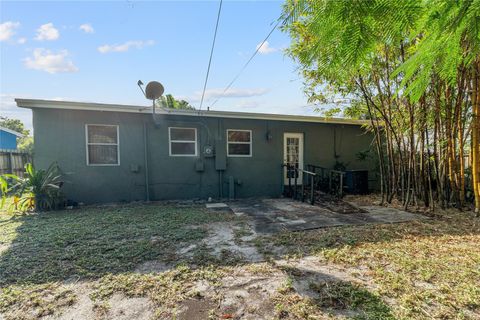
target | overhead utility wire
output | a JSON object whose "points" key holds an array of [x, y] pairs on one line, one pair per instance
{"points": [[251, 58], [211, 54]]}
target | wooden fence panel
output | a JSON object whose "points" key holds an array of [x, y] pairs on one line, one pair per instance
{"points": [[12, 161]]}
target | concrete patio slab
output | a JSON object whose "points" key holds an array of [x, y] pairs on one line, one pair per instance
{"points": [[216, 205], [274, 215]]}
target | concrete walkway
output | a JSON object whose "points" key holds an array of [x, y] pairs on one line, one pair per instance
{"points": [[274, 215]]}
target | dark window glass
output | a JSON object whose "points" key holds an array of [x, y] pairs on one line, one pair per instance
{"points": [[184, 134], [239, 136], [182, 148], [239, 149], [102, 154], [102, 134]]}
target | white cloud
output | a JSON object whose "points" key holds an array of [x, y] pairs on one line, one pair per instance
{"points": [[290, 109], [246, 104], [62, 99], [234, 93], [45, 60], [265, 48], [215, 93], [47, 32], [22, 40], [7, 30], [87, 28], [125, 46]]}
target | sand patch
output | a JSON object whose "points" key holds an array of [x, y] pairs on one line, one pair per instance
{"points": [[125, 308], [246, 295], [82, 308], [222, 237]]}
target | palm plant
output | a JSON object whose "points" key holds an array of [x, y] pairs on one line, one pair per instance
{"points": [[169, 102], [39, 190]]}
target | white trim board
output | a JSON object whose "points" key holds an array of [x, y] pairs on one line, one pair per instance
{"points": [[250, 143], [91, 106], [300, 137], [12, 132], [182, 141], [105, 144]]}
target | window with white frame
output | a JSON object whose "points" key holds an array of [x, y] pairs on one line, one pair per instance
{"points": [[239, 143], [183, 141], [102, 145]]}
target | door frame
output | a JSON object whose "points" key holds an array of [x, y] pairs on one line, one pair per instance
{"points": [[298, 135]]}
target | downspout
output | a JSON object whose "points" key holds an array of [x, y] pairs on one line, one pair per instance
{"points": [[220, 172], [147, 188], [220, 184]]}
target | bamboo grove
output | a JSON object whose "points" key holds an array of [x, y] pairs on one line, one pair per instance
{"points": [[413, 69]]}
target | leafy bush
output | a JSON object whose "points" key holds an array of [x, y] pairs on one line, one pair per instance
{"points": [[39, 190]]}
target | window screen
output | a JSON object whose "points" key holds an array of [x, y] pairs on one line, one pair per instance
{"points": [[102, 145]]}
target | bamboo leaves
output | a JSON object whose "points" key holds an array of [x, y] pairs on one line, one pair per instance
{"points": [[410, 64]]}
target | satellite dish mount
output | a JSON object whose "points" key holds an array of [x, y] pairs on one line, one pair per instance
{"points": [[153, 91]]}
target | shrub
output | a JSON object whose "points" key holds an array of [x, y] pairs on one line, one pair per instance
{"points": [[39, 190]]}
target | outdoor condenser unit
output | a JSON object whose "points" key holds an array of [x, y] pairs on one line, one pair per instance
{"points": [[356, 181]]}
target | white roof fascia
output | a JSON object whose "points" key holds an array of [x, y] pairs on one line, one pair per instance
{"points": [[91, 106], [12, 132]]}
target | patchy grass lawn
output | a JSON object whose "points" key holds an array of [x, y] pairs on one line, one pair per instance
{"points": [[425, 269], [84, 264], [37, 252], [89, 243]]}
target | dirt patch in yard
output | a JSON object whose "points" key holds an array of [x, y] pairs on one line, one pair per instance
{"points": [[196, 309], [3, 248], [83, 308], [117, 307], [311, 269], [225, 238], [247, 294], [126, 308], [107, 265]]}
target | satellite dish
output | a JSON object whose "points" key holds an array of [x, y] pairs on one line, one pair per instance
{"points": [[154, 90]]}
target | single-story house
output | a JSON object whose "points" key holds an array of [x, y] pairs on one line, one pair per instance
{"points": [[115, 152], [8, 139]]}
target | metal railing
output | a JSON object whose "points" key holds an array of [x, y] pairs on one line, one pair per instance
{"points": [[321, 178], [336, 176], [308, 178], [331, 181], [314, 178]]}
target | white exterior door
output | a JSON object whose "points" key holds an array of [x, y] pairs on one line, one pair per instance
{"points": [[293, 155]]}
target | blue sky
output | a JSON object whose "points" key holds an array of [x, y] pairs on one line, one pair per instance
{"points": [[96, 51]]}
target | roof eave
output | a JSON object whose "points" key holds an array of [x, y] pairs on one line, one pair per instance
{"points": [[70, 105], [18, 134]]}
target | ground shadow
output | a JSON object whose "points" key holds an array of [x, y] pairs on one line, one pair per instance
{"points": [[92, 242], [313, 241], [338, 296]]}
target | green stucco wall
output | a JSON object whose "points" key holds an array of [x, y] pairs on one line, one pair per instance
{"points": [[60, 136]]}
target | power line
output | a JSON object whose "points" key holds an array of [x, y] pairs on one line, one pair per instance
{"points": [[251, 58], [211, 54]]}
